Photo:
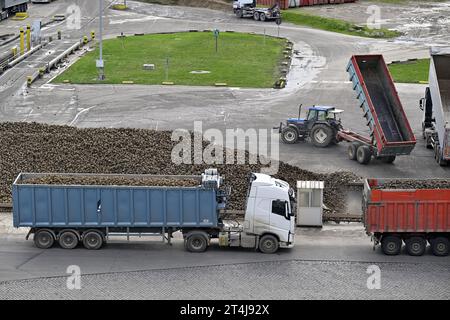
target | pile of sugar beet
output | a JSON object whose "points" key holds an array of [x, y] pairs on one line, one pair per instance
{"points": [[32, 147]]}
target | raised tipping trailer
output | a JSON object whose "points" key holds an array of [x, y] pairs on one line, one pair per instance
{"points": [[88, 208], [436, 106], [411, 211], [390, 134]]}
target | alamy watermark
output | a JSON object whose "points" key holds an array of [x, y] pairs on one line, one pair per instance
{"points": [[73, 281], [374, 279], [236, 147]]}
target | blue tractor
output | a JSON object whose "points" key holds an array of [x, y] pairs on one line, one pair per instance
{"points": [[320, 127]]}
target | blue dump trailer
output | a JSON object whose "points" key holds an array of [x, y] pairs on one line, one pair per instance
{"points": [[88, 208]]}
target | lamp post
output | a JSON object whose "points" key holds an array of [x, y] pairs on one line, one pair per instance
{"points": [[99, 63]]}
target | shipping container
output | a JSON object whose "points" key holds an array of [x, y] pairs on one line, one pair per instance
{"points": [[411, 215]]}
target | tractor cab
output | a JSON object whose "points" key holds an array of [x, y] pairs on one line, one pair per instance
{"points": [[320, 126]]}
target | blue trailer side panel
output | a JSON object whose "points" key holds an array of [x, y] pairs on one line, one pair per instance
{"points": [[113, 206]]}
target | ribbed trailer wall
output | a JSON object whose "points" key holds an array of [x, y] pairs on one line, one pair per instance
{"points": [[381, 106], [418, 210], [78, 206], [439, 81]]}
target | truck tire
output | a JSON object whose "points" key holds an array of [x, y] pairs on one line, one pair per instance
{"points": [[440, 246], [68, 239], [44, 239], [289, 135], [391, 245], [268, 244], [92, 240], [351, 151], [262, 17], [363, 154], [388, 159], [196, 242], [256, 16], [416, 246], [322, 135], [239, 13]]}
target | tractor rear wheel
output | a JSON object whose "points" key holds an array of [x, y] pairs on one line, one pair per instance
{"points": [[322, 135], [289, 135], [363, 154]]}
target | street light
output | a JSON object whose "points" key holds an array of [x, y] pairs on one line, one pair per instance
{"points": [[100, 63]]}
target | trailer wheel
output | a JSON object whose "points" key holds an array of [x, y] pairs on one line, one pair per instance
{"points": [[256, 16], [68, 239], [388, 159], [44, 239], [391, 245], [351, 151], [268, 244], [440, 246], [416, 246], [196, 242], [322, 135], [92, 240], [289, 135], [363, 154]]}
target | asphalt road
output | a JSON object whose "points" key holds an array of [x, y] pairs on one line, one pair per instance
{"points": [[325, 264]]}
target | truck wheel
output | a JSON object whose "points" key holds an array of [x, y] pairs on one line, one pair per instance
{"points": [[256, 16], [289, 135], [43, 239], [440, 246], [363, 154], [268, 244], [196, 242], [416, 246], [239, 13], [351, 151], [262, 17], [391, 245], [68, 239], [322, 135], [92, 240], [388, 159]]}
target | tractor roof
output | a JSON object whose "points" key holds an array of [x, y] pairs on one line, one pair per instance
{"points": [[321, 108]]}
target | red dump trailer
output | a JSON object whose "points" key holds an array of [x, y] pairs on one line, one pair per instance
{"points": [[411, 212], [390, 134]]}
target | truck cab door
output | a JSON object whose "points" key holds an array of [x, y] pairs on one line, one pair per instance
{"points": [[281, 220]]}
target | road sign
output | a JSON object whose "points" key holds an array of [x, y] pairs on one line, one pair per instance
{"points": [[216, 36]]}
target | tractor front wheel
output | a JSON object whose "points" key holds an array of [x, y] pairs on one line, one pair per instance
{"points": [[289, 135]]}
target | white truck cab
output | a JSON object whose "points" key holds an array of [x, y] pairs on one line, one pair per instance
{"points": [[269, 209], [269, 222]]}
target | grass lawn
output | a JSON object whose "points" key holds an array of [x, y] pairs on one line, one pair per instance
{"points": [[242, 60], [410, 72], [299, 17]]}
